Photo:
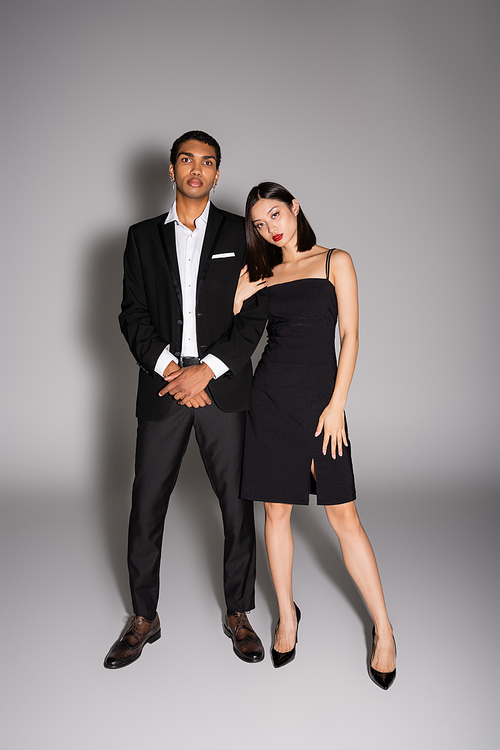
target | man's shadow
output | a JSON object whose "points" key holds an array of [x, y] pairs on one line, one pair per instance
{"points": [[147, 180]]}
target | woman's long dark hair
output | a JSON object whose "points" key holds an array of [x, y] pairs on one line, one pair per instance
{"points": [[262, 256]]}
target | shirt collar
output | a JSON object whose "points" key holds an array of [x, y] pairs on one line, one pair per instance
{"points": [[172, 215]]}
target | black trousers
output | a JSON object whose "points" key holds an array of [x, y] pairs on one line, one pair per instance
{"points": [[159, 452]]}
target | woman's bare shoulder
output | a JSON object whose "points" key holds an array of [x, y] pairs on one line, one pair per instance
{"points": [[340, 259], [335, 252]]}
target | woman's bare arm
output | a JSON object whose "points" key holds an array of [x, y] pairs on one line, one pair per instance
{"points": [[331, 421]]}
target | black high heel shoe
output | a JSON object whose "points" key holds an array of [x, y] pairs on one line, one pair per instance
{"points": [[278, 658], [383, 679]]}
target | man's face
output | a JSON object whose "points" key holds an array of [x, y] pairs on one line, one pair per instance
{"points": [[195, 171]]}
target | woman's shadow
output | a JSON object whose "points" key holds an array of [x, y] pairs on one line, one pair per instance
{"points": [[313, 529]]}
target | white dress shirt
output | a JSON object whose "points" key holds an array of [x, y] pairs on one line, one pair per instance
{"points": [[188, 244]]}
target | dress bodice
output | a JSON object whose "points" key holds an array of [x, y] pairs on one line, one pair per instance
{"points": [[302, 316]]}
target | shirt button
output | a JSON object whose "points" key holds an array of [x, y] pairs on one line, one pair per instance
{"points": [[179, 322]]}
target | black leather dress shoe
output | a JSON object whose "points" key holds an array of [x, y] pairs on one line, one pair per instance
{"points": [[128, 648], [280, 658], [246, 643], [383, 679]]}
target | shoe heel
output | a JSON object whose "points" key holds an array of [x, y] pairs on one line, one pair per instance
{"points": [[384, 680], [278, 658], [299, 614], [155, 637]]}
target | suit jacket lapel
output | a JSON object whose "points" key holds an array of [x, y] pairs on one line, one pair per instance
{"points": [[167, 234], [214, 226]]}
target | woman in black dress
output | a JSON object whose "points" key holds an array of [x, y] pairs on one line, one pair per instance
{"points": [[296, 437]]}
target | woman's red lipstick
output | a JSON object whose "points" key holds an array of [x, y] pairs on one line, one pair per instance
{"points": [[277, 237]]}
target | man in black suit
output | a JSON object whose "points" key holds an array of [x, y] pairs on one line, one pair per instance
{"points": [[181, 272]]}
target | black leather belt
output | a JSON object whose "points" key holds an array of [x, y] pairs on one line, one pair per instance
{"points": [[189, 361]]}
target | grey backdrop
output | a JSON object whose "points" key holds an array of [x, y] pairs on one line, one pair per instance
{"points": [[382, 118]]}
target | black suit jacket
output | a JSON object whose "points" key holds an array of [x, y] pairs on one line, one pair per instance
{"points": [[151, 315]]}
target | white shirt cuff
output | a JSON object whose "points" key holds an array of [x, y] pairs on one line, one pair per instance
{"points": [[216, 365], [163, 360]]}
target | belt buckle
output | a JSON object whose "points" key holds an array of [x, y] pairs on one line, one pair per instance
{"points": [[189, 361]]}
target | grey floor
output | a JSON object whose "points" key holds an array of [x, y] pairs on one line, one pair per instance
{"points": [[65, 600]]}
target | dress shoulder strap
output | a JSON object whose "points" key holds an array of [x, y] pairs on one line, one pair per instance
{"points": [[327, 264]]}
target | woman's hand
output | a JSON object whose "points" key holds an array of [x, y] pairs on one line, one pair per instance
{"points": [[246, 289], [332, 424]]}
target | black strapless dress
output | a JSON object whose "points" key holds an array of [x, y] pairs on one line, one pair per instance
{"points": [[293, 383]]}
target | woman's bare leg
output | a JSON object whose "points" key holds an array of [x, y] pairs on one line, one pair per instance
{"points": [[279, 545], [361, 564]]}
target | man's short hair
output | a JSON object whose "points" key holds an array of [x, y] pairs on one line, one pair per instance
{"points": [[195, 135]]}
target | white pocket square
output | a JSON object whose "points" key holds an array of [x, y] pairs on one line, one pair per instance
{"points": [[223, 255]]}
